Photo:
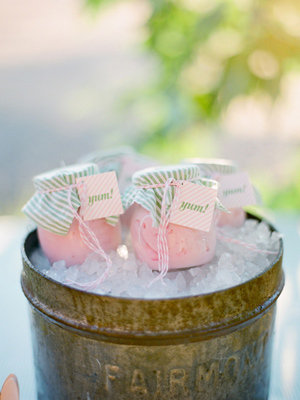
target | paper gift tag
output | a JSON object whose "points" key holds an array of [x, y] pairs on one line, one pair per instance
{"points": [[99, 195], [236, 190], [195, 206]]}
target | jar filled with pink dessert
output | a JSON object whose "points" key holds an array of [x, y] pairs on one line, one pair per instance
{"points": [[159, 240], [124, 161], [232, 182], [56, 209]]}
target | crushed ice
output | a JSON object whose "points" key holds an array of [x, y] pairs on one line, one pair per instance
{"points": [[232, 264]]}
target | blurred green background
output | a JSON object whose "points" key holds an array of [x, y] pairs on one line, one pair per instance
{"points": [[180, 78]]}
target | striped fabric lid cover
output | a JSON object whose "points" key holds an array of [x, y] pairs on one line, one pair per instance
{"points": [[212, 167], [108, 160], [151, 198], [50, 209], [123, 160], [209, 167]]}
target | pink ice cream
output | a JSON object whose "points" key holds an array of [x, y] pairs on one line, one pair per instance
{"points": [[235, 218], [71, 248], [187, 247]]}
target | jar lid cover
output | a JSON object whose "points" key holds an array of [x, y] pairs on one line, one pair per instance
{"points": [[63, 176], [148, 187], [210, 167], [123, 160], [161, 174], [102, 156], [56, 198]]}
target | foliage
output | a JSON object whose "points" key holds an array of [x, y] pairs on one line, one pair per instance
{"points": [[283, 194], [213, 50], [209, 52]]}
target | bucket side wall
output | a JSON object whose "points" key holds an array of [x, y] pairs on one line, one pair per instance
{"points": [[234, 366]]}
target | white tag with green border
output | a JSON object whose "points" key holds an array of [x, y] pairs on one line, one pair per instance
{"points": [[99, 195], [236, 190], [195, 206]]}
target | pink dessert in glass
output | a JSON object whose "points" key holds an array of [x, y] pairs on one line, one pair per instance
{"points": [[235, 218], [187, 247], [71, 247]]}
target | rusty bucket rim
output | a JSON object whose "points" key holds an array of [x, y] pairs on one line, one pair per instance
{"points": [[277, 258], [157, 320]]}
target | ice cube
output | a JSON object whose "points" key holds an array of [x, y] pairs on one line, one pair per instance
{"points": [[233, 263]]}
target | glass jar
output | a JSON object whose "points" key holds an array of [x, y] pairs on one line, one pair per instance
{"points": [[186, 247], [215, 168], [71, 247], [124, 161], [53, 208]]}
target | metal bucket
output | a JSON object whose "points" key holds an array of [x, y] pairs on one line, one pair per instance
{"points": [[213, 346]]}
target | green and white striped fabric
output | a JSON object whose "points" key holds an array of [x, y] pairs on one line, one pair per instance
{"points": [[49, 207], [151, 198], [123, 160], [209, 167], [109, 160]]}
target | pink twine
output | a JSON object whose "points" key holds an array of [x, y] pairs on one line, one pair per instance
{"points": [[226, 238], [87, 236], [162, 244]]}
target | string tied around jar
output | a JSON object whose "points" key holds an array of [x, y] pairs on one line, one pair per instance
{"points": [[225, 237], [162, 244], [86, 234], [165, 214]]}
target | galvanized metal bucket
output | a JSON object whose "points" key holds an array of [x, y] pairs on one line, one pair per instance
{"points": [[213, 346]]}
